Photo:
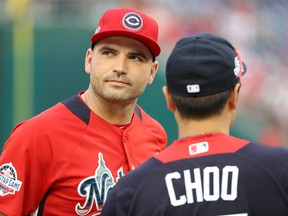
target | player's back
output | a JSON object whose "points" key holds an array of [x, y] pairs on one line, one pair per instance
{"points": [[207, 175]]}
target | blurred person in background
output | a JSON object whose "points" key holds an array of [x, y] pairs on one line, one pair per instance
{"points": [[206, 171], [65, 160]]}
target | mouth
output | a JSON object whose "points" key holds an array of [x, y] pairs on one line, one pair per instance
{"points": [[118, 83]]}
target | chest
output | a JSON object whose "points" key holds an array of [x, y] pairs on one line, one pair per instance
{"points": [[96, 163]]}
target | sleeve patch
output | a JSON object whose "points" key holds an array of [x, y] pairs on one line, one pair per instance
{"points": [[9, 183]]}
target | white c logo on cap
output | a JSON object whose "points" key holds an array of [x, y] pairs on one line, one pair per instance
{"points": [[132, 21]]}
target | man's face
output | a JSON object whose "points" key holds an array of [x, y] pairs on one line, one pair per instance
{"points": [[120, 68]]}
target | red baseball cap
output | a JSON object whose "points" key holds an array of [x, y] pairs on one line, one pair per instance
{"points": [[130, 23]]}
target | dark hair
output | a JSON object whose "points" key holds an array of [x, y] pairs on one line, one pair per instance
{"points": [[199, 108]]}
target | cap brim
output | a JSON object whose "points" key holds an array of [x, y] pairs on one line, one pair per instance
{"points": [[153, 47]]}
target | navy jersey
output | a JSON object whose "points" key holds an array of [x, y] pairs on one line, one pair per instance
{"points": [[214, 174]]}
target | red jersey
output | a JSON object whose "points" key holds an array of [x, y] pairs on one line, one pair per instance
{"points": [[65, 160]]}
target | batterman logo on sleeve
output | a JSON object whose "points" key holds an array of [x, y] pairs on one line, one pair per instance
{"points": [[8, 180]]}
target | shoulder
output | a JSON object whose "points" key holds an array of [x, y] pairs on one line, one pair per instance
{"points": [[43, 120], [48, 125], [271, 158], [148, 120], [61, 114], [263, 152], [153, 126]]}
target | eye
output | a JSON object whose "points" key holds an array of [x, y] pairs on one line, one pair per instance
{"points": [[138, 57], [108, 53]]}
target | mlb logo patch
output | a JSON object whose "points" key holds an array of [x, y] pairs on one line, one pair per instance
{"points": [[193, 88], [198, 148]]}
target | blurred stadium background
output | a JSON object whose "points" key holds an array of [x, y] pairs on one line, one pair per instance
{"points": [[43, 45]]}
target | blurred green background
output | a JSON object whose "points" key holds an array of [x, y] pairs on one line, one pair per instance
{"points": [[43, 46]]}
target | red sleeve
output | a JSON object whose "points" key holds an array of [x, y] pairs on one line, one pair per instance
{"points": [[23, 158], [34, 156]]}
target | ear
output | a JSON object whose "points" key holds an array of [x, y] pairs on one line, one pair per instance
{"points": [[234, 96], [88, 60], [170, 104], [153, 71]]}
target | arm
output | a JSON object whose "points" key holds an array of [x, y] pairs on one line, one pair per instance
{"points": [[17, 161]]}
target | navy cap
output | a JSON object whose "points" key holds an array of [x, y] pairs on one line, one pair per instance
{"points": [[203, 64]]}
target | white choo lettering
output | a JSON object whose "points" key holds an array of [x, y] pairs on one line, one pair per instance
{"points": [[224, 187]]}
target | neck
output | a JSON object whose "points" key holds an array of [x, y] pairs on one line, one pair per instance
{"points": [[114, 113], [188, 128]]}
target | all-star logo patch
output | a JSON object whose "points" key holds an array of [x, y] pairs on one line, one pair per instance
{"points": [[9, 183], [98, 29], [132, 21]]}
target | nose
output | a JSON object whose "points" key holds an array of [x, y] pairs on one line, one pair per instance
{"points": [[120, 65]]}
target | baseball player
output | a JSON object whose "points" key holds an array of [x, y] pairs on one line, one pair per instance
{"points": [[65, 160], [206, 171]]}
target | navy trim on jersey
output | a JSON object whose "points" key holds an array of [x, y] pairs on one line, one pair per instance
{"points": [[42, 204], [82, 111], [78, 108], [138, 112]]}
